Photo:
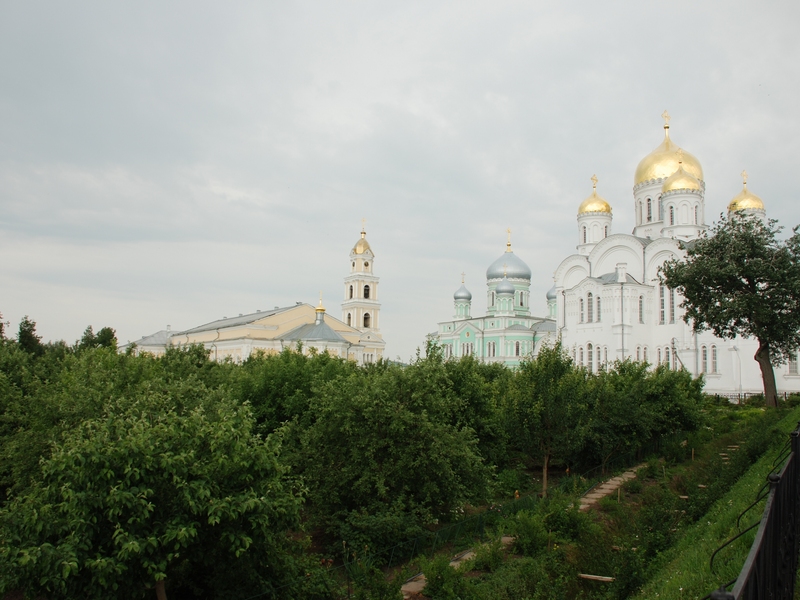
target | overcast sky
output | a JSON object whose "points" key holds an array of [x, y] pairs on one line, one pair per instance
{"points": [[176, 162]]}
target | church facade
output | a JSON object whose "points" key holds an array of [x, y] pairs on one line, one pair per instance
{"points": [[356, 337], [608, 301], [508, 332]]}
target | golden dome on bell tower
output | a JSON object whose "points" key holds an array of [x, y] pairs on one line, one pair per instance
{"points": [[663, 161]]}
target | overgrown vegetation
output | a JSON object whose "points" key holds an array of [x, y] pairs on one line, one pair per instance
{"points": [[294, 474]]}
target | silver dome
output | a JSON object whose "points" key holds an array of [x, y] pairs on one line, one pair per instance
{"points": [[515, 267], [551, 293], [462, 293], [505, 287]]}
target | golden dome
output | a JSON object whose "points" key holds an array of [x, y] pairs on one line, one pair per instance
{"points": [[594, 203], [745, 200], [680, 179], [663, 161], [362, 245]]}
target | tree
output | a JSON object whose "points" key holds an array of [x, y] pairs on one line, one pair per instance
{"points": [[105, 338], [741, 280], [163, 492], [548, 411], [27, 338]]}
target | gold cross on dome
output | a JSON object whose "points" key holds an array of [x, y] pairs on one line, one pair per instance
{"points": [[744, 177], [666, 117], [462, 276], [594, 181], [363, 224]]}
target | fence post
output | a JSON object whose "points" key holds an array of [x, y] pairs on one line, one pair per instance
{"points": [[721, 594]]}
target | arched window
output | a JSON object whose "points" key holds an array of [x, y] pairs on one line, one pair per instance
{"points": [[521, 303], [581, 303], [793, 363], [671, 306], [658, 356], [366, 266], [597, 352], [672, 215], [605, 231], [584, 234], [704, 359], [353, 265], [638, 353], [366, 320], [580, 355], [351, 291], [597, 317], [666, 357], [366, 291], [713, 359], [649, 210], [662, 296], [516, 349], [492, 298], [695, 215], [349, 318], [589, 357], [660, 209], [589, 307], [644, 354], [641, 309]]}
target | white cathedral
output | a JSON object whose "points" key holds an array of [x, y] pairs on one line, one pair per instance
{"points": [[607, 302]]}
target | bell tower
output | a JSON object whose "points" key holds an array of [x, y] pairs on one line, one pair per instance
{"points": [[361, 308]]}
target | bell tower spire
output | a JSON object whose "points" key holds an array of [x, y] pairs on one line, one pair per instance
{"points": [[361, 309]]}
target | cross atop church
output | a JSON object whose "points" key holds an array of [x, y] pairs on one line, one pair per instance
{"points": [[594, 182], [744, 178], [363, 225], [666, 117], [508, 241], [462, 276]]}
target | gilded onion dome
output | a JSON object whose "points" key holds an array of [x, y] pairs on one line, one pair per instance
{"points": [[681, 179], [362, 245], [663, 161], [595, 202], [745, 199]]}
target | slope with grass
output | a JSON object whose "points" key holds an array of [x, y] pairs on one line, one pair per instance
{"points": [[685, 571]]}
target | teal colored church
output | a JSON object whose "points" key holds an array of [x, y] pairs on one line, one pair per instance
{"points": [[508, 333]]}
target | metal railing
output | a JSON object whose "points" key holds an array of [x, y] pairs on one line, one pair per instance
{"points": [[771, 566]]}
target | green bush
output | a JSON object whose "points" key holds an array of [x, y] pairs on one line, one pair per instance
{"points": [[489, 556], [444, 581], [530, 533], [633, 486]]}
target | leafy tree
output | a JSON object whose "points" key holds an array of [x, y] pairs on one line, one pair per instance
{"points": [[631, 404], [105, 338], [161, 493], [741, 280], [548, 409], [27, 338], [382, 459]]}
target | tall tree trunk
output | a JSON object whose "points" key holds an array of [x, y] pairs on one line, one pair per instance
{"points": [[544, 474], [767, 374], [161, 592]]}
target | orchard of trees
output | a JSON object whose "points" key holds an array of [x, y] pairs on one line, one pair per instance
{"points": [[137, 477]]}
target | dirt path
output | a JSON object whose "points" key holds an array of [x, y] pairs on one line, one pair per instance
{"points": [[607, 488], [414, 586]]}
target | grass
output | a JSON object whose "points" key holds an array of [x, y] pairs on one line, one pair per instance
{"points": [[685, 571]]}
